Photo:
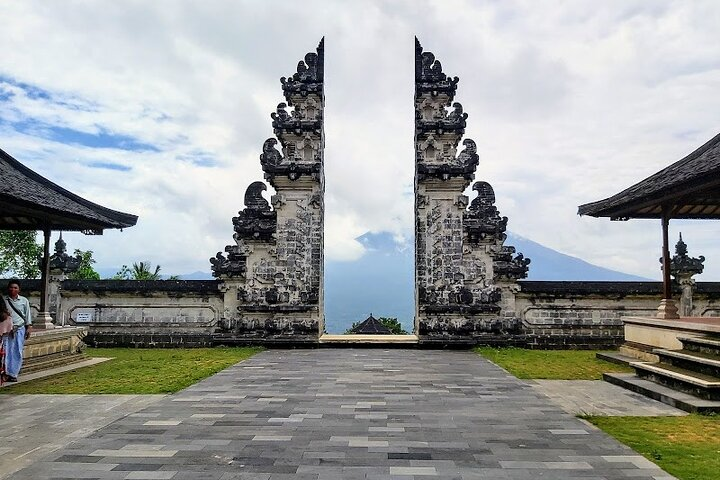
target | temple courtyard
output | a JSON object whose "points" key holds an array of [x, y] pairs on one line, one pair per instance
{"points": [[331, 414]]}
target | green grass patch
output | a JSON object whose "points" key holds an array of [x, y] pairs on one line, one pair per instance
{"points": [[551, 364], [686, 447], [138, 371]]}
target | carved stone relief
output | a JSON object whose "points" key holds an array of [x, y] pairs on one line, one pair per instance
{"points": [[273, 275], [463, 270]]}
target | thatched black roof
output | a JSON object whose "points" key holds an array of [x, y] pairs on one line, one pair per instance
{"points": [[689, 188], [371, 326], [29, 201]]}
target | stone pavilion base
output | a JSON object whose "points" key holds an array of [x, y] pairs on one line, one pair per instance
{"points": [[643, 334], [53, 348]]}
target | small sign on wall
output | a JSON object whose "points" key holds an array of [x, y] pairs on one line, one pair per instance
{"points": [[83, 317]]}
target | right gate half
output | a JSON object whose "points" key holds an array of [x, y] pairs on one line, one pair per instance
{"points": [[465, 278]]}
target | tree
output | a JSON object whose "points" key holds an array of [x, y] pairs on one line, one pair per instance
{"points": [[391, 323], [86, 270], [122, 274], [139, 271], [20, 254]]}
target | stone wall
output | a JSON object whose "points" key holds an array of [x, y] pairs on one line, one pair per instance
{"points": [[581, 314], [162, 313], [168, 313]]}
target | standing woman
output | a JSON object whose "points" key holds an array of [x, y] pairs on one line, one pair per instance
{"points": [[19, 309], [6, 328]]}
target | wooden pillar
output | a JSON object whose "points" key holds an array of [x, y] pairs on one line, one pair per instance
{"points": [[44, 320], [667, 286], [667, 309], [45, 275]]}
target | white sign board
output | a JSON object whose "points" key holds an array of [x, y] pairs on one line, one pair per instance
{"points": [[83, 317]]}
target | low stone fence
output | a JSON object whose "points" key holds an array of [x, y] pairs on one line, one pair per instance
{"points": [[581, 314], [589, 314], [162, 313], [168, 313]]}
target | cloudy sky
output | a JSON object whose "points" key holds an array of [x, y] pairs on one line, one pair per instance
{"points": [[160, 109]]}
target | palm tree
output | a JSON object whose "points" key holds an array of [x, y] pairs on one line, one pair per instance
{"points": [[143, 271]]}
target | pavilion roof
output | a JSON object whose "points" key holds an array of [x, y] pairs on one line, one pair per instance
{"points": [[371, 326], [689, 188], [29, 201]]}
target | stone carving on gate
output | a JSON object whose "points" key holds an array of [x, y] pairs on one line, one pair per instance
{"points": [[682, 268], [465, 276], [272, 276], [62, 264]]}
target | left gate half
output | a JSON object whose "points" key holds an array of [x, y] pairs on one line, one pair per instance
{"points": [[272, 275]]}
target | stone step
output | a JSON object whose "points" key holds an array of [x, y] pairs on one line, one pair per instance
{"points": [[693, 383], [356, 340], [51, 361], [616, 358], [702, 344], [661, 393], [700, 362], [638, 352]]}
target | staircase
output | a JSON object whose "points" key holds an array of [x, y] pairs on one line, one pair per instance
{"points": [[688, 379], [54, 360]]}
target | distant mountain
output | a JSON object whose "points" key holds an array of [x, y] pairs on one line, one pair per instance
{"points": [[196, 276], [381, 281], [549, 264]]}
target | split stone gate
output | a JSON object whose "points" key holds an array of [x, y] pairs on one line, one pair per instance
{"points": [[269, 281], [272, 275]]}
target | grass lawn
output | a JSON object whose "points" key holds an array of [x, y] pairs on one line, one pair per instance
{"points": [[134, 370], [686, 447], [551, 364]]}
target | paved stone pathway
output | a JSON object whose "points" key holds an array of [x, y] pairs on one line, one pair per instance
{"points": [[32, 426], [27, 377], [595, 397], [350, 414]]}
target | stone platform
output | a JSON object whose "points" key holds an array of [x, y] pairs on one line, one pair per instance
{"points": [[331, 414], [661, 333], [47, 349], [358, 341]]}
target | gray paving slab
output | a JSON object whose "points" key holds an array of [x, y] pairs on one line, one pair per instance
{"points": [[351, 414], [596, 397], [32, 426]]}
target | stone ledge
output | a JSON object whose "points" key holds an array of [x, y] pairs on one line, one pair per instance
{"points": [[662, 394], [149, 340], [208, 287], [690, 324], [374, 340], [56, 370]]}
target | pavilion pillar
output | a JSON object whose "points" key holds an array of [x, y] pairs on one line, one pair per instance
{"points": [[44, 319], [667, 309]]}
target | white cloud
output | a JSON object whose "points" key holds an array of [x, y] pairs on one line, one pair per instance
{"points": [[568, 102]]}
